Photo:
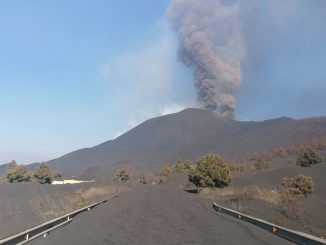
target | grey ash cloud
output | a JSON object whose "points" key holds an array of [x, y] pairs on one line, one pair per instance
{"points": [[229, 42], [211, 43]]}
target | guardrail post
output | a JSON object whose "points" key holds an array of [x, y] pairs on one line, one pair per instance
{"points": [[27, 237]]}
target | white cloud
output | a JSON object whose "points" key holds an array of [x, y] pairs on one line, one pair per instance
{"points": [[172, 108], [146, 81]]}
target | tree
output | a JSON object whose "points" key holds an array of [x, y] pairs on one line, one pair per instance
{"points": [[17, 174], [122, 175], [298, 185], [308, 157], [210, 171], [44, 175]]}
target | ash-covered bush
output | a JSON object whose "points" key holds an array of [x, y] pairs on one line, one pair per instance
{"points": [[16, 173], [44, 175], [165, 171], [210, 171], [182, 166], [122, 175], [308, 157], [299, 185], [261, 164], [148, 177]]}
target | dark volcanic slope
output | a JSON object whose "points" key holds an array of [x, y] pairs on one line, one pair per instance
{"points": [[187, 135]]}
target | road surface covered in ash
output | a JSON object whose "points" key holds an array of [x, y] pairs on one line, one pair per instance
{"points": [[162, 214]]}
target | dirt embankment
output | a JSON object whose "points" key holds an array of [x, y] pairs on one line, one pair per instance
{"points": [[159, 214], [26, 205]]}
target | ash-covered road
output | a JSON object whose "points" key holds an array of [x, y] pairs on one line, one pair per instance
{"points": [[162, 214]]}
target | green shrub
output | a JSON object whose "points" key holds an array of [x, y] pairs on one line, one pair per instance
{"points": [[299, 185], [182, 167], [308, 157], [210, 171], [122, 175], [44, 175], [165, 171], [17, 174]]}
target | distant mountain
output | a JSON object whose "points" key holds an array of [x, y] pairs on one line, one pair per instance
{"points": [[186, 135]]}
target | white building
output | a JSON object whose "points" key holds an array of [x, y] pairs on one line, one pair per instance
{"points": [[70, 181]]}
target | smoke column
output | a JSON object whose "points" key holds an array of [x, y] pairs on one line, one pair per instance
{"points": [[211, 43]]}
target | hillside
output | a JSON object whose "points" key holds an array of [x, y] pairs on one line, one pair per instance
{"points": [[187, 135]]}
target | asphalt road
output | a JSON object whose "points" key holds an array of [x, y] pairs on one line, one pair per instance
{"points": [[162, 214]]}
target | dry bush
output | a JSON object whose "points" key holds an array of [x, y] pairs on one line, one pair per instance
{"points": [[288, 205], [149, 177], [49, 205], [123, 175], [180, 166], [165, 171], [299, 185], [3, 180], [251, 166], [291, 206], [244, 193], [289, 150], [308, 157]]}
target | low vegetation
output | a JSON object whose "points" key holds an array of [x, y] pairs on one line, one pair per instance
{"points": [[179, 167], [149, 177], [299, 185], [308, 157], [165, 171], [182, 167], [253, 165], [17, 174], [50, 205], [287, 199], [44, 175], [291, 150], [123, 175], [210, 171], [244, 193]]}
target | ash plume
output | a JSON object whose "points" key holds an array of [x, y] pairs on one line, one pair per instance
{"points": [[211, 43]]}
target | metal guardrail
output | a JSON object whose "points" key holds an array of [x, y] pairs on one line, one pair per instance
{"points": [[45, 228], [291, 235]]}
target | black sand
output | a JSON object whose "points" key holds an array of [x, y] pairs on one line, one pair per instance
{"points": [[163, 214]]}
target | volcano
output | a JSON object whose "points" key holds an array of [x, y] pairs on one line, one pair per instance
{"points": [[188, 134]]}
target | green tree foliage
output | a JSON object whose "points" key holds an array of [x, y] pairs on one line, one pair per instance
{"points": [[44, 175], [123, 175], [210, 171], [308, 157], [299, 185], [17, 174]]}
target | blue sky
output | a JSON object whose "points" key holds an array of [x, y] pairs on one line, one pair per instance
{"points": [[76, 73]]}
